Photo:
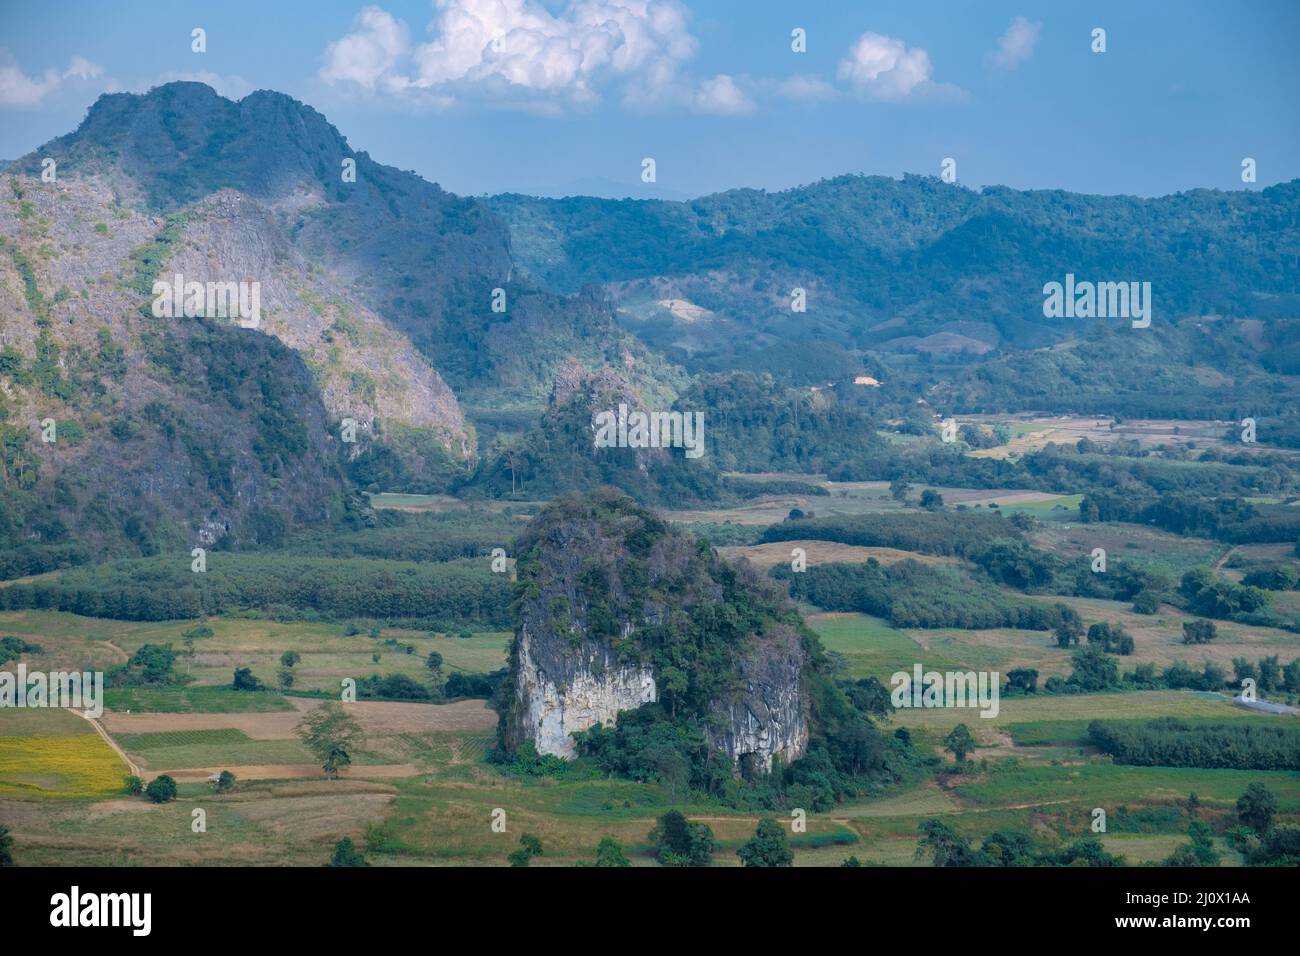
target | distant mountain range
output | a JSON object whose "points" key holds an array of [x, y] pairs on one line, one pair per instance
{"points": [[439, 325]]}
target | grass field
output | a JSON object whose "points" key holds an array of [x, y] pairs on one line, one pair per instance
{"points": [[1108, 785], [55, 753], [420, 791]]}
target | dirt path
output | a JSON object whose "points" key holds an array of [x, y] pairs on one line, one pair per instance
{"points": [[1223, 560], [378, 718], [135, 771], [294, 771]]}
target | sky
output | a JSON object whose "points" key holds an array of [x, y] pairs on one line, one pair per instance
{"points": [[487, 96]]}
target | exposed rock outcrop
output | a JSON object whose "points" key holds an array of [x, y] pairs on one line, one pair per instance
{"points": [[619, 610]]}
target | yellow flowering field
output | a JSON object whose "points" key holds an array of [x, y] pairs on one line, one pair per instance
{"points": [[66, 766]]}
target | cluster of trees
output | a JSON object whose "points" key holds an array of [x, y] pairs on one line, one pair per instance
{"points": [[287, 586], [678, 841], [1262, 842], [12, 648], [1278, 577], [1170, 742], [152, 665], [910, 594], [558, 455], [1112, 638], [756, 424], [963, 533], [946, 847], [415, 536], [1209, 595], [1269, 673], [1018, 564], [1224, 518]]}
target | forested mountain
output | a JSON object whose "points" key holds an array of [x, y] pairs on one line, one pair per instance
{"points": [[413, 313]]}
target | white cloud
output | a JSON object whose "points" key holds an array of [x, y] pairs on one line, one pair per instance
{"points": [[369, 56], [803, 87], [884, 68], [19, 89], [722, 95], [1017, 44], [518, 52]]}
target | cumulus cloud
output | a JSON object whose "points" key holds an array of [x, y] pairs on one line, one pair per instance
{"points": [[19, 89], [1017, 44], [517, 51], [884, 68], [369, 56], [722, 95]]}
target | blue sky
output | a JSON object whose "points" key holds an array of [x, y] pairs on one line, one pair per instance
{"points": [[497, 95]]}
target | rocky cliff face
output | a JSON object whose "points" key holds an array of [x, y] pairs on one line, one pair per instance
{"points": [[618, 610], [563, 689], [768, 716]]}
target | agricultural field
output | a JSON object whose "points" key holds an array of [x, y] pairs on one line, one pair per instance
{"points": [[420, 790], [55, 754]]}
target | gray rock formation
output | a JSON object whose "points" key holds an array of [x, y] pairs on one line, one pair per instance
{"points": [[606, 585]]}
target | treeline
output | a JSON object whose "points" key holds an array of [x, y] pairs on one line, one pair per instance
{"points": [[911, 594], [1277, 577], [1145, 475], [1170, 742], [287, 587], [422, 536], [1228, 519], [1018, 564], [751, 487], [38, 558], [946, 847], [946, 533]]}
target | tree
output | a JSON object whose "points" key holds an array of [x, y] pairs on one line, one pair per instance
{"points": [[1257, 807], [332, 735], [285, 677], [899, 488], [290, 658], [161, 789], [1193, 805], [1145, 602], [1023, 679], [852, 861], [244, 679], [434, 663], [931, 500], [529, 847], [1069, 626], [609, 852], [1199, 852], [1199, 632], [768, 847], [6, 847], [946, 847], [959, 742], [680, 842], [1093, 669], [133, 785], [347, 854], [225, 782]]}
